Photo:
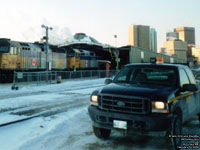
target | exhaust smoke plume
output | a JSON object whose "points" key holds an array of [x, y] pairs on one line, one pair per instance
{"points": [[59, 35]]}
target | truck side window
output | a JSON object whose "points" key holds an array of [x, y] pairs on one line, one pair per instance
{"points": [[191, 76], [12, 50], [183, 77], [197, 76]]}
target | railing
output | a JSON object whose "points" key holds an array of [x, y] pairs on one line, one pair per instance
{"points": [[56, 76]]}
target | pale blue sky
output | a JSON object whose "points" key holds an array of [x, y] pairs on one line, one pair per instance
{"points": [[101, 19]]}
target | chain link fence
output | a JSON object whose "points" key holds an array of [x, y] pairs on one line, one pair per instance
{"points": [[50, 77]]}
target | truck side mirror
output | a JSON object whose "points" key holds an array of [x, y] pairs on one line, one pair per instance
{"points": [[190, 87], [108, 81]]}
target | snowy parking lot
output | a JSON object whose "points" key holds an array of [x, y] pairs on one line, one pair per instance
{"points": [[61, 121]]}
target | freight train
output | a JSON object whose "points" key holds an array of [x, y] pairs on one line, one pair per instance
{"points": [[24, 56]]}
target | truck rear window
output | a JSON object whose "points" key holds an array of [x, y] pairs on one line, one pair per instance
{"points": [[148, 75]]}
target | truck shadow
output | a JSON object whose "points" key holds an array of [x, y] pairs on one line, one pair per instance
{"points": [[139, 142], [118, 141]]}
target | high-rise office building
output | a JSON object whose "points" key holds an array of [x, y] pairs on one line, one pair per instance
{"points": [[176, 47], [139, 36], [153, 40], [186, 34]]}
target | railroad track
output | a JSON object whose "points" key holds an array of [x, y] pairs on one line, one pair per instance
{"points": [[6, 96], [46, 111], [26, 112]]}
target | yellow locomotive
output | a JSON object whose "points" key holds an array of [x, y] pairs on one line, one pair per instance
{"points": [[81, 59], [24, 56], [21, 56]]}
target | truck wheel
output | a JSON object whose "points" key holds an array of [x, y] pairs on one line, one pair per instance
{"points": [[199, 117], [101, 132], [172, 139]]}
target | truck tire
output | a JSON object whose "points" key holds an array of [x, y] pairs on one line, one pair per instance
{"points": [[172, 139], [199, 117], [101, 132]]}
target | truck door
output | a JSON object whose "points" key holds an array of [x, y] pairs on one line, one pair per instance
{"points": [[189, 99], [196, 94]]}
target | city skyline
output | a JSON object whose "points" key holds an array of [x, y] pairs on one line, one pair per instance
{"points": [[21, 20]]}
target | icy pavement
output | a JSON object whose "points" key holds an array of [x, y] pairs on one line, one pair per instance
{"points": [[14, 136], [27, 97]]}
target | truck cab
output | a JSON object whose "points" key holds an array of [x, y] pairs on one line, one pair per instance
{"points": [[150, 99]]}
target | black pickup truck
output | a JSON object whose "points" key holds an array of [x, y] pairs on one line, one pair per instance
{"points": [[146, 99]]}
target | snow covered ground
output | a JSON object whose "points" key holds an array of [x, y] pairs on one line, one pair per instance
{"points": [[65, 130], [27, 97]]}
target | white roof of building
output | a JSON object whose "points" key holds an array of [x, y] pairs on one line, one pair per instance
{"points": [[82, 38]]}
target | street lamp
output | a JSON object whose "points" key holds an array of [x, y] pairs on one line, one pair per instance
{"points": [[115, 36], [47, 45]]}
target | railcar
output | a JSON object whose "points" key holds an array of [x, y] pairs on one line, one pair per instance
{"points": [[81, 59], [57, 58], [23, 56]]}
